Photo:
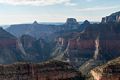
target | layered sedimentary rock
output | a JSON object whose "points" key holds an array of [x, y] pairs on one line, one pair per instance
{"points": [[115, 17], [36, 50], [52, 70], [6, 39], [9, 51], [35, 29], [109, 71], [107, 38], [25, 48], [76, 47], [97, 44]]}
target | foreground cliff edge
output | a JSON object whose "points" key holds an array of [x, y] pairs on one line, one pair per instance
{"points": [[109, 71], [50, 70]]}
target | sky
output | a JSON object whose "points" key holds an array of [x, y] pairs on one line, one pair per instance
{"points": [[27, 11]]}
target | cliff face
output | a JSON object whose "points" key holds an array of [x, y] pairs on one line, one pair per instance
{"points": [[71, 23], [36, 50], [52, 70], [25, 48], [6, 39], [97, 44], [35, 29], [115, 17], [108, 71], [76, 46], [27, 41], [9, 51]]}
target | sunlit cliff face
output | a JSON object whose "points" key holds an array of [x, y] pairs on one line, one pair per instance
{"points": [[97, 48]]}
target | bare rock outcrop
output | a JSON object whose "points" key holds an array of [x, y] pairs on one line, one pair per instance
{"points": [[71, 24], [51, 70], [9, 50], [99, 43], [115, 17], [36, 50], [108, 71]]}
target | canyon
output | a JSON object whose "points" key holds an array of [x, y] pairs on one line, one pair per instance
{"points": [[61, 52]]}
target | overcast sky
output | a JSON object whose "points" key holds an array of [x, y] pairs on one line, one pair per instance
{"points": [[27, 11]]}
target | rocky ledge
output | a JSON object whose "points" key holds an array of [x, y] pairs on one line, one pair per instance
{"points": [[109, 71], [51, 70]]}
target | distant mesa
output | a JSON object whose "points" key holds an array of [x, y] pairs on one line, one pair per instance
{"points": [[115, 18], [71, 23]]}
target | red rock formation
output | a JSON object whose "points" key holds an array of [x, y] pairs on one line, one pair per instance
{"points": [[109, 71], [53, 70], [72, 44], [110, 44], [81, 44], [9, 50], [6, 39], [8, 43], [86, 44]]}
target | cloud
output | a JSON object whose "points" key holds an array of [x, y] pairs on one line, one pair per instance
{"points": [[37, 2], [70, 4], [89, 0], [98, 8]]}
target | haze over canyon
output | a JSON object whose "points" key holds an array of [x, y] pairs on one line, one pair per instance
{"points": [[67, 51]]}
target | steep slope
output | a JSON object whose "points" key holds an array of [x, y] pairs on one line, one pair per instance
{"points": [[97, 44], [106, 43], [70, 47], [36, 50], [51, 70], [108, 71], [9, 51], [26, 48], [115, 17]]}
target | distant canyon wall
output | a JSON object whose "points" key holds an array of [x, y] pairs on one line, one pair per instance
{"points": [[98, 41]]}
